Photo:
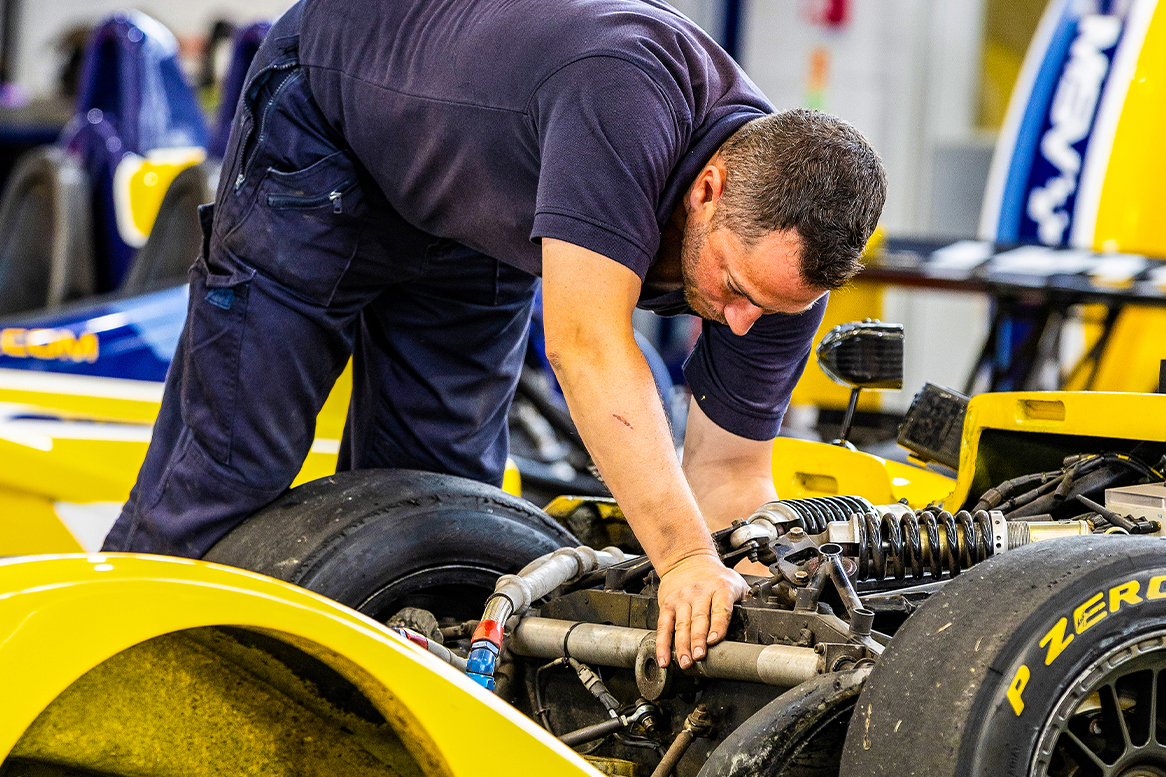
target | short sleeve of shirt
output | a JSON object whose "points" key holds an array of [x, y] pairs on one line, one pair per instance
{"points": [[744, 383], [609, 137]]}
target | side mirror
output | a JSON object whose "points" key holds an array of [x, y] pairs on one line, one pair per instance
{"points": [[862, 354]]}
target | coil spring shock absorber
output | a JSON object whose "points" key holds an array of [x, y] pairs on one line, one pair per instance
{"points": [[920, 542], [816, 512]]}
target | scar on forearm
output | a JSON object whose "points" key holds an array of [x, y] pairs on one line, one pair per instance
{"points": [[622, 420]]}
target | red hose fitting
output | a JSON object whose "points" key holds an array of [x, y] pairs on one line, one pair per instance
{"points": [[491, 631]]}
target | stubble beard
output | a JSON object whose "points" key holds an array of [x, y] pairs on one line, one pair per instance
{"points": [[691, 246]]}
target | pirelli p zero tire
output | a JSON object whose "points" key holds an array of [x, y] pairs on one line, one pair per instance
{"points": [[381, 540], [1048, 661]]}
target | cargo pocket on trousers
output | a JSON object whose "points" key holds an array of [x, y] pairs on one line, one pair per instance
{"points": [[304, 228], [214, 334]]}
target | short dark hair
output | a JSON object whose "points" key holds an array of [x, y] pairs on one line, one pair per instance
{"points": [[810, 171]]}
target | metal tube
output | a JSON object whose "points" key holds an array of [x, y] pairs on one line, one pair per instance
{"points": [[832, 554], [513, 594], [592, 643], [861, 618], [557, 570], [498, 609], [849, 417], [675, 752], [779, 665], [442, 652], [592, 732], [545, 574], [698, 724]]}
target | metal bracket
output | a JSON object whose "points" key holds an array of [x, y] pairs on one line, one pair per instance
{"points": [[835, 653]]}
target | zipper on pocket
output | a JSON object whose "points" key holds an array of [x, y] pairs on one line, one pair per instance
{"points": [[260, 118], [335, 197], [246, 124]]}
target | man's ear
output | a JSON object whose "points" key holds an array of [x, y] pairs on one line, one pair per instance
{"points": [[709, 185]]}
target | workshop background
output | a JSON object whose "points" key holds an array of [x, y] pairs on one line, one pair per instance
{"points": [[927, 81], [1048, 648]]}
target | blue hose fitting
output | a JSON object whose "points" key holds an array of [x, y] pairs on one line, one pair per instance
{"points": [[480, 665]]}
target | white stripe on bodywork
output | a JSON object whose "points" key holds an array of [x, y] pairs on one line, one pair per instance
{"points": [[77, 430], [80, 385], [1017, 107], [39, 433], [88, 522], [325, 446], [1117, 85]]}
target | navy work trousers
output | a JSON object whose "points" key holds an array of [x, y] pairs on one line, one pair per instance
{"points": [[304, 264]]}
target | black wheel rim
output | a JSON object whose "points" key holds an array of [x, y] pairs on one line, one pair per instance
{"points": [[453, 593], [1112, 720]]}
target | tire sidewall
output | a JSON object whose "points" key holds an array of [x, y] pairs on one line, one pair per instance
{"points": [[351, 535], [455, 533], [1026, 681]]}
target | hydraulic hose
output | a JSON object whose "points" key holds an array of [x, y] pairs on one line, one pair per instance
{"points": [[437, 649], [514, 594]]}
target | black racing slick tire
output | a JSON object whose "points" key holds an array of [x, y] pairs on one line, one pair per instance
{"points": [[1046, 661], [381, 540]]}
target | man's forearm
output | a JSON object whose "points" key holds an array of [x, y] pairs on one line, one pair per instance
{"points": [[730, 476], [617, 410], [587, 319]]}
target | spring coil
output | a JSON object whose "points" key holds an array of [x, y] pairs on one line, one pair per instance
{"points": [[816, 512], [929, 541]]}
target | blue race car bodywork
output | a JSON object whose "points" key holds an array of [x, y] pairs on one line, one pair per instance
{"points": [[131, 337]]}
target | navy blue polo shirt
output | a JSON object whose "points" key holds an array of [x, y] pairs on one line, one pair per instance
{"points": [[499, 122]]}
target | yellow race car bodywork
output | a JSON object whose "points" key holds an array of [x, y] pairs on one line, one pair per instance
{"points": [[72, 446], [990, 451], [998, 427], [146, 665], [804, 468]]}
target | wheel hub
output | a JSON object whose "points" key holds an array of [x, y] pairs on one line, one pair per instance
{"points": [[1112, 721]]}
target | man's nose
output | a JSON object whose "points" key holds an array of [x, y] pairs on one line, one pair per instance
{"points": [[741, 315]]}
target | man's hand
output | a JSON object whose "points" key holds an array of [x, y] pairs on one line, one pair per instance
{"points": [[696, 599]]}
